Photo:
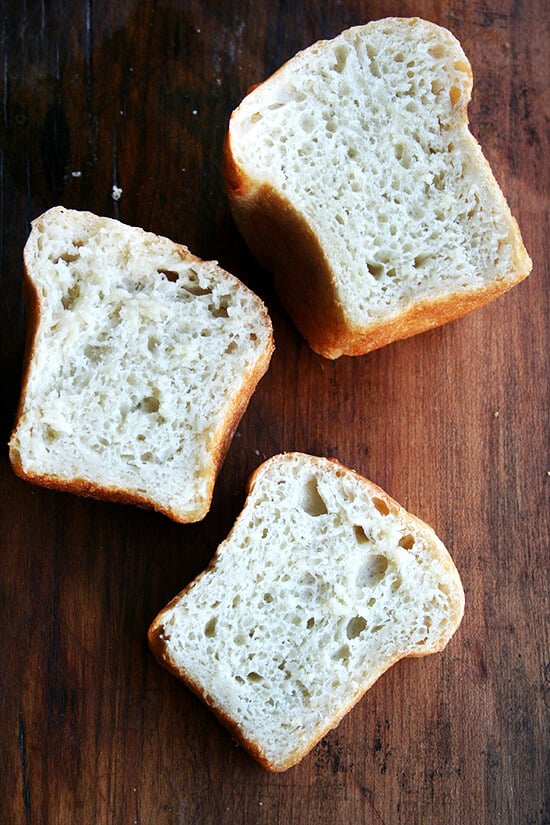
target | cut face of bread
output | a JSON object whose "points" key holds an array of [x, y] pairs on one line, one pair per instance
{"points": [[323, 583], [353, 176], [142, 361]]}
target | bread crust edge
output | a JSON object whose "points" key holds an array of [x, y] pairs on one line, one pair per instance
{"points": [[285, 244], [282, 241], [86, 488], [157, 643]]}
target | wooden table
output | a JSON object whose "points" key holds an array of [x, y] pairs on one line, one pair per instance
{"points": [[452, 423]]}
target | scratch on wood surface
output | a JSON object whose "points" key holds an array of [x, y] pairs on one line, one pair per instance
{"points": [[367, 794], [25, 787], [1, 206], [88, 59], [4, 47]]}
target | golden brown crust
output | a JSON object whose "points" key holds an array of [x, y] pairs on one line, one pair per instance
{"points": [[283, 242], [281, 239]]}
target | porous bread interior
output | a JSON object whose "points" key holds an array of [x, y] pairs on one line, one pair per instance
{"points": [[317, 590], [367, 137], [140, 353]]}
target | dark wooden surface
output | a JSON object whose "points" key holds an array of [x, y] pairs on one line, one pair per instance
{"points": [[453, 423]]}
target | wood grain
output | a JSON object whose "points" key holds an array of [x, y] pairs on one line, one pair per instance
{"points": [[453, 423]]}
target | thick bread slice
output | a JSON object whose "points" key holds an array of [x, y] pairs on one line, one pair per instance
{"points": [[352, 175], [142, 361], [323, 583]]}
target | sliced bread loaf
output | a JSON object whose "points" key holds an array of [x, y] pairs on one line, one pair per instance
{"points": [[353, 176], [142, 359], [322, 584]]}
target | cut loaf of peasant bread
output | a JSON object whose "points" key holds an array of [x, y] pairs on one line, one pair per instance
{"points": [[142, 361], [323, 583], [353, 177]]}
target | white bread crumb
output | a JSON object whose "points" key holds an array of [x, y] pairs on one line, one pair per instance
{"points": [[143, 361], [323, 583], [353, 176]]}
